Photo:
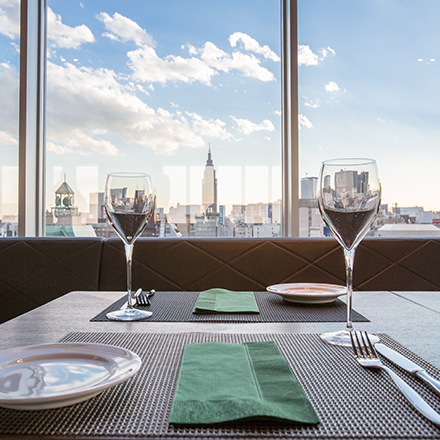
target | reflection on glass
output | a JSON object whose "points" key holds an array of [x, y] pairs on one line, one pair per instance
{"points": [[129, 204], [349, 199]]}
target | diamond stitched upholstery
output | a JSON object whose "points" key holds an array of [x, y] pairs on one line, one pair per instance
{"points": [[34, 271], [253, 264]]}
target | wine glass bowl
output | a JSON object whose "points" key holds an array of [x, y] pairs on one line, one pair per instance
{"points": [[129, 204], [349, 199]]}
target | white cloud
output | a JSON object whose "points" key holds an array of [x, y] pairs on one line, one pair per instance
{"points": [[303, 121], [6, 139], [9, 104], [385, 121], [332, 87], [247, 127], [312, 104], [10, 18], [252, 45], [327, 52], [307, 57], [141, 89], [191, 49], [61, 149], [202, 65], [65, 36], [99, 131], [278, 112], [147, 66], [94, 99], [248, 65], [209, 128], [57, 149], [123, 29]]}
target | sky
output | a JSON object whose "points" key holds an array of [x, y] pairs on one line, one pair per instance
{"points": [[150, 86], [379, 95]]}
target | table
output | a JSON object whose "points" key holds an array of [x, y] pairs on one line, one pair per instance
{"points": [[411, 318]]}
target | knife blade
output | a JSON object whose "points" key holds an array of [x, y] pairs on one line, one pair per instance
{"points": [[408, 365]]}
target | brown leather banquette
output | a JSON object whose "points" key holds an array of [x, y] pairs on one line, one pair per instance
{"points": [[34, 271]]}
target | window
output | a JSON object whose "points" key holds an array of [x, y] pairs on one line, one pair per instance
{"points": [[9, 62], [189, 91], [368, 86]]}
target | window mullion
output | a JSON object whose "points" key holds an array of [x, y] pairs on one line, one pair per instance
{"points": [[32, 118], [290, 164]]}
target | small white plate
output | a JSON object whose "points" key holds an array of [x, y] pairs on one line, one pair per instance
{"points": [[55, 375], [308, 293]]}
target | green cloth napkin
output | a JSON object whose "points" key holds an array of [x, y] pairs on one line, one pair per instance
{"points": [[225, 301], [222, 382]]}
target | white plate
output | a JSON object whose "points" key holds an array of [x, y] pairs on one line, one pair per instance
{"points": [[56, 375], [308, 293]]}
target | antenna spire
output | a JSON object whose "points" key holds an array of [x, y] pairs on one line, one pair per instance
{"points": [[209, 161]]}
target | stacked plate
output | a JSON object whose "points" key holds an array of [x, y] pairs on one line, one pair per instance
{"points": [[308, 293], [56, 375]]}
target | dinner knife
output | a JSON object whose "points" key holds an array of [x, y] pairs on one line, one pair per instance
{"points": [[408, 365]]}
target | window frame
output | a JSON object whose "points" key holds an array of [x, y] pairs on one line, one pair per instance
{"points": [[32, 172], [31, 138]]}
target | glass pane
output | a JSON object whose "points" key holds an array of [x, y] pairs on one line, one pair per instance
{"points": [[9, 79], [187, 90], [369, 88]]}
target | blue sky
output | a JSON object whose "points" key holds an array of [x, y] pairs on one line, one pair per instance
{"points": [[170, 56], [137, 85], [386, 66]]}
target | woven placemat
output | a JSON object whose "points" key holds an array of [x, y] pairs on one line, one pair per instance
{"points": [[178, 307], [352, 402]]}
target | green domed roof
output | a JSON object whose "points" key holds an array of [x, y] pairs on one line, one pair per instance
{"points": [[64, 189]]}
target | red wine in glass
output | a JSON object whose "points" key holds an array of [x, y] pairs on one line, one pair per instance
{"points": [[349, 199], [129, 204]]}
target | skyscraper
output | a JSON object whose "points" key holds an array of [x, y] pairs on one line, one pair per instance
{"points": [[308, 187], [209, 187]]}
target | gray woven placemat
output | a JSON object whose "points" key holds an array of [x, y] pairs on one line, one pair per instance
{"points": [[352, 402], [178, 307]]}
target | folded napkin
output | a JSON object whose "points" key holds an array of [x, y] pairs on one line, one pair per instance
{"points": [[223, 382], [225, 301]]}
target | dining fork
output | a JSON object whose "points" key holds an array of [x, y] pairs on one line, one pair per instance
{"points": [[136, 298], [366, 355], [144, 297]]}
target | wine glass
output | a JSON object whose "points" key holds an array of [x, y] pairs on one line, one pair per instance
{"points": [[349, 199], [129, 204]]}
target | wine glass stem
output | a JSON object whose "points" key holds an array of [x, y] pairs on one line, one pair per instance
{"points": [[349, 261], [128, 256]]}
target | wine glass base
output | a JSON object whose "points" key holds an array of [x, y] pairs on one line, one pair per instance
{"points": [[129, 315], [342, 338]]}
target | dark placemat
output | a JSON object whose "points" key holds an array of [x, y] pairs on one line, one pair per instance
{"points": [[351, 402], [178, 307]]}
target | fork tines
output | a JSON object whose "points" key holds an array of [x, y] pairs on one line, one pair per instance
{"points": [[143, 299], [362, 345]]}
